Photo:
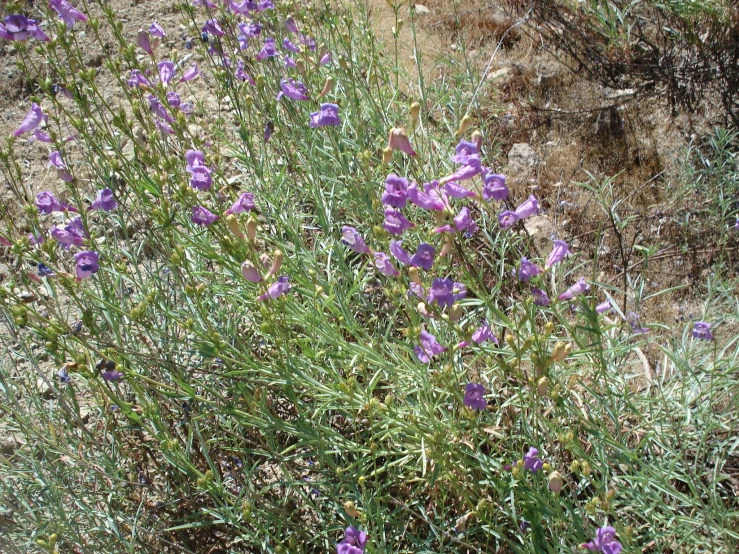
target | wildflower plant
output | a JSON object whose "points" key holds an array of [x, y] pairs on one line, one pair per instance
{"points": [[266, 324]]}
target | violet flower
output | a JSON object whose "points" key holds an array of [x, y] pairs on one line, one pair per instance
{"points": [[142, 38], [455, 190], [396, 191], [472, 168], [136, 79], [494, 187], [441, 292], [353, 240], [33, 119], [290, 63], [211, 26], [463, 222], [527, 270], [354, 542], [166, 71], [463, 151], [558, 253], [55, 160], [528, 208], [474, 397], [156, 30], [531, 460], [104, 201], [111, 374], [702, 330], [242, 75], [269, 49], [250, 272], [384, 265], [190, 74], [250, 30], [67, 12], [633, 319], [400, 254], [245, 203], [484, 333], [424, 256], [427, 199], [307, 40], [428, 347], [325, 59], [294, 90], [276, 289], [603, 307], [507, 219], [86, 263], [203, 216], [398, 140], [327, 116], [540, 297], [395, 222], [604, 542], [200, 178], [290, 25], [18, 27], [73, 234], [575, 290], [288, 45], [47, 203]]}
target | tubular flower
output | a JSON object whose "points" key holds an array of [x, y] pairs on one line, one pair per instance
{"points": [[558, 253], [327, 116], [33, 119], [398, 140], [276, 289], [527, 270], [428, 347], [484, 333], [395, 222], [474, 397], [396, 191], [104, 201], [507, 219], [200, 177], [18, 27], [702, 330], [86, 263], [384, 265], [531, 460], [352, 239], [528, 208], [245, 203], [540, 297], [604, 542], [203, 216], [424, 256], [354, 542], [494, 187], [67, 12], [575, 290]]}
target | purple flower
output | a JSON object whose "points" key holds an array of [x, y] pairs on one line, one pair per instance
{"points": [[307, 40], [327, 116], [384, 265], [352, 239], [156, 30], [540, 297], [604, 542], [244, 204], [294, 89], [442, 292], [33, 119], [269, 49], [67, 12], [203, 216], [558, 253], [55, 160], [269, 128], [287, 45], [464, 222], [463, 151], [250, 272], [72, 234], [144, 42], [428, 347], [137, 80], [290, 62], [531, 460], [251, 30], [400, 254], [455, 190], [111, 374], [633, 319], [575, 290], [86, 263], [702, 330], [47, 203], [507, 219], [354, 542], [424, 256], [484, 333], [396, 191], [158, 109], [104, 201], [242, 75], [40, 136], [474, 397], [395, 222], [190, 74], [467, 171], [325, 59], [428, 199], [166, 71], [211, 26], [19, 27], [494, 187], [200, 177], [174, 100], [290, 25], [527, 270], [603, 307], [528, 208], [276, 289]]}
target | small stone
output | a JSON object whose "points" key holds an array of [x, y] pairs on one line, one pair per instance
{"points": [[422, 10], [499, 74], [540, 229], [45, 390], [522, 157]]}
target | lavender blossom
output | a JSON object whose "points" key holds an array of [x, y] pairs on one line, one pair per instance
{"points": [[269, 49], [575, 290], [463, 151], [327, 116], [33, 119], [55, 160], [190, 74], [203, 216], [604, 542], [396, 191], [156, 30], [702, 330], [352, 239], [474, 397], [483, 333], [455, 190], [494, 187], [276, 289], [531, 460], [527, 270], [603, 307], [384, 265], [441, 292], [540, 297], [200, 178], [427, 199], [507, 219], [400, 254], [245, 203], [395, 222], [104, 201], [354, 542], [559, 252], [428, 347], [424, 256], [18, 27], [528, 208], [47, 203], [288, 45], [211, 26], [86, 263], [166, 71], [463, 221], [67, 12], [294, 90]]}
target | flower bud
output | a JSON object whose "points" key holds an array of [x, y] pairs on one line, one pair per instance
{"points": [[561, 350], [456, 313], [448, 245], [343, 63], [250, 272], [423, 310], [549, 328], [387, 155], [511, 341], [463, 125], [414, 276], [276, 263], [251, 229], [477, 139], [398, 140], [415, 109], [233, 226], [351, 509], [327, 87], [542, 387], [556, 482]]}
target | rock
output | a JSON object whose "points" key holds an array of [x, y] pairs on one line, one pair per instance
{"points": [[45, 390], [422, 10], [540, 230], [522, 157], [8, 443], [499, 74]]}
